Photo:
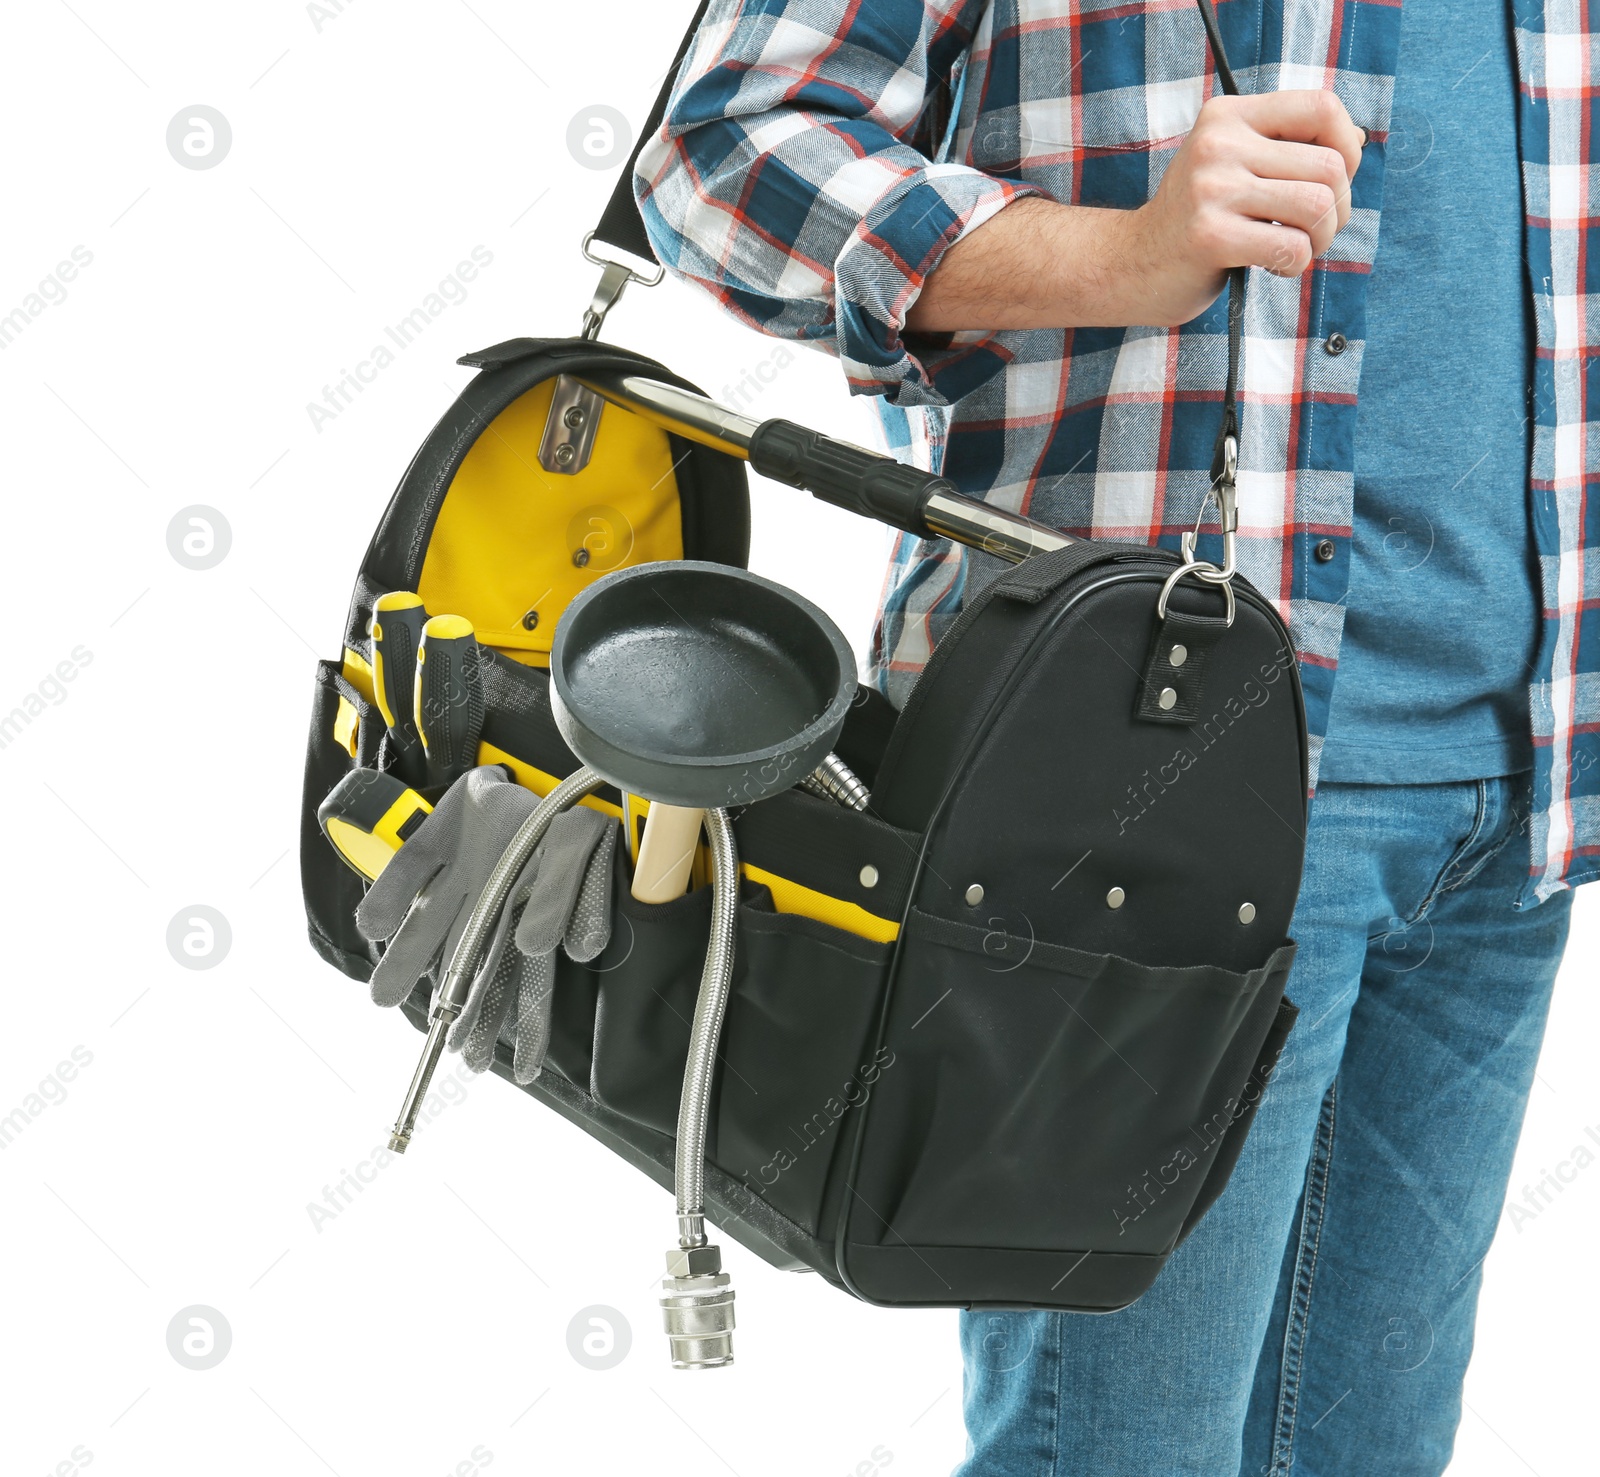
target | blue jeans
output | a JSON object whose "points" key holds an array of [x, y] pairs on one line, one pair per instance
{"points": [[1320, 1317]]}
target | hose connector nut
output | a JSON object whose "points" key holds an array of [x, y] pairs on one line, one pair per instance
{"points": [[693, 1261], [697, 1308]]}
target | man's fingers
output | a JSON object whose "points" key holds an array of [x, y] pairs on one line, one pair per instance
{"points": [[1273, 159], [1305, 117], [1308, 165], [1311, 208], [1282, 250]]}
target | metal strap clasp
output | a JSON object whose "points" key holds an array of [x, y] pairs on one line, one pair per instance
{"points": [[614, 276], [1224, 493]]}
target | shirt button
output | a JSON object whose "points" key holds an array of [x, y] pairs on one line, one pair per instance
{"points": [[1335, 343], [1325, 550]]}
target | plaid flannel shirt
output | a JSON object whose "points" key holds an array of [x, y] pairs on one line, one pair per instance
{"points": [[818, 157]]}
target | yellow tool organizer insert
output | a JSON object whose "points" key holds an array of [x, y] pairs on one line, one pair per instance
{"points": [[514, 544]]}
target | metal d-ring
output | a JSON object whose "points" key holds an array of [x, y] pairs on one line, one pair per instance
{"points": [[1203, 570]]}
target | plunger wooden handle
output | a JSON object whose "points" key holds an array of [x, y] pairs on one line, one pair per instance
{"points": [[666, 852]]}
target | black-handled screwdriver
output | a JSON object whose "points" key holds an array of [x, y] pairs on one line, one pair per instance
{"points": [[449, 699], [398, 619]]}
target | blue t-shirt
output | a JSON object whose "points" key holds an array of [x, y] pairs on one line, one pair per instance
{"points": [[1442, 615]]}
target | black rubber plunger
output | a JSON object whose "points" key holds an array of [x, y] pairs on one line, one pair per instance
{"points": [[699, 684]]}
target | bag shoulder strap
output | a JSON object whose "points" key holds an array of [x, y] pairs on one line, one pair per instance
{"points": [[620, 224], [1221, 469], [622, 227]]}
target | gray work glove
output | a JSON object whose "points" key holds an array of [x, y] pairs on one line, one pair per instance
{"points": [[561, 897], [422, 899]]}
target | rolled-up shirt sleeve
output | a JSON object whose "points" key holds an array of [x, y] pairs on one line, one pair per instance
{"points": [[792, 180]]}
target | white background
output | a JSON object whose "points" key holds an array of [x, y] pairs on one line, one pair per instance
{"points": [[423, 1328]]}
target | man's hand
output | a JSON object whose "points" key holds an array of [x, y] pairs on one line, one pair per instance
{"points": [[1261, 181]]}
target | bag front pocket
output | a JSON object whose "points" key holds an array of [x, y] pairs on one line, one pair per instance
{"points": [[1038, 1097], [793, 1059], [796, 1057]]}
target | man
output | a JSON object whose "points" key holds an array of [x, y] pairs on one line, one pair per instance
{"points": [[1011, 220]]}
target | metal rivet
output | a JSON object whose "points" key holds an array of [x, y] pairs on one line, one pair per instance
{"points": [[1116, 898], [573, 417], [565, 453], [581, 558], [1178, 655], [1247, 912], [1168, 699], [530, 620], [869, 876], [974, 895]]}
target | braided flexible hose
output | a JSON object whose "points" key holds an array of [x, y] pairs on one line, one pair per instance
{"points": [[695, 1102]]}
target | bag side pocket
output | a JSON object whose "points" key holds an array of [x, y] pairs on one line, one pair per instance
{"points": [[1042, 1098], [1242, 1113], [346, 730]]}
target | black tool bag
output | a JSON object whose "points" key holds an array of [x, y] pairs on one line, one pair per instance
{"points": [[997, 1039]]}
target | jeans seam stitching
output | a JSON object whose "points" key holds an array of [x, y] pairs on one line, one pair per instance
{"points": [[1289, 1389], [1299, 1316], [1055, 1407]]}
